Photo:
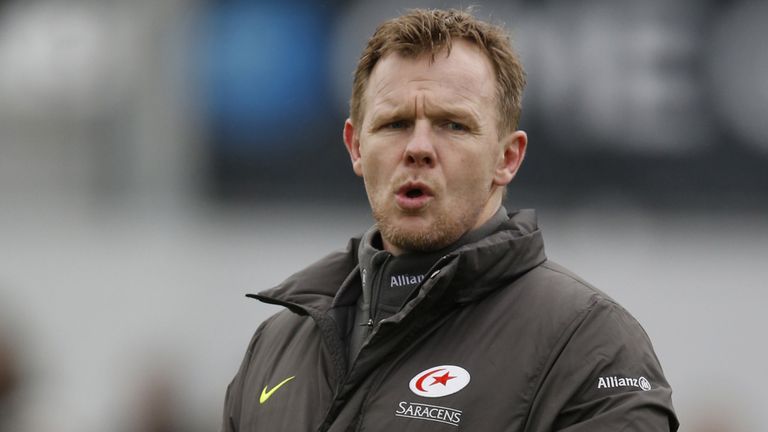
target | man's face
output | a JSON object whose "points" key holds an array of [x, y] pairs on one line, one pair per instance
{"points": [[429, 150]]}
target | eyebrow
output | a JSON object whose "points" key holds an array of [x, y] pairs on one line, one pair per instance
{"points": [[453, 112], [388, 111]]}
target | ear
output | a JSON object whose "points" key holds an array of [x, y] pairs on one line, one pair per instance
{"points": [[513, 147], [352, 142]]}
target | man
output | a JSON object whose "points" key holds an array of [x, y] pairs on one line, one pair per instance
{"points": [[446, 313]]}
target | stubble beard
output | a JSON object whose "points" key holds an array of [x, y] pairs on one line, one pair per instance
{"points": [[446, 229]]}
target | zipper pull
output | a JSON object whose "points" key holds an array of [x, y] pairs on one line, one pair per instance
{"points": [[369, 323]]}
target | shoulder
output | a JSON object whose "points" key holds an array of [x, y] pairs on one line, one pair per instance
{"points": [[551, 292], [561, 309], [552, 288], [563, 287], [556, 283], [281, 328], [318, 282]]}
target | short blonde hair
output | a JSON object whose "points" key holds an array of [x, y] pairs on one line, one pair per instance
{"points": [[423, 31]]}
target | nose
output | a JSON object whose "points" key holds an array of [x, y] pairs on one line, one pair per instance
{"points": [[420, 150]]}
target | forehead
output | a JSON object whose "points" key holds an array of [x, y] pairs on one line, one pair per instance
{"points": [[465, 76]]}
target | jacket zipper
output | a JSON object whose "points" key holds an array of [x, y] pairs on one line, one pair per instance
{"points": [[373, 308]]}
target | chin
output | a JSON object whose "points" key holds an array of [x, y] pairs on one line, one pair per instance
{"points": [[425, 230], [420, 236]]}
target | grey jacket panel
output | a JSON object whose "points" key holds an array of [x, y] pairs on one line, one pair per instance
{"points": [[497, 338]]}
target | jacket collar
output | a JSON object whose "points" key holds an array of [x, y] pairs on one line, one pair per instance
{"points": [[475, 269]]}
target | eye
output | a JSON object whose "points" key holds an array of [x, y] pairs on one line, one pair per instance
{"points": [[456, 126], [398, 124]]}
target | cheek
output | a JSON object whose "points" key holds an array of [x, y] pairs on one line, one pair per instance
{"points": [[379, 160], [473, 170], [375, 175]]}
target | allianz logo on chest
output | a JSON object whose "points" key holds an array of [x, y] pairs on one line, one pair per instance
{"points": [[405, 280]]}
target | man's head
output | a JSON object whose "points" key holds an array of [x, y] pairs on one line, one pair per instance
{"points": [[430, 32], [434, 109]]}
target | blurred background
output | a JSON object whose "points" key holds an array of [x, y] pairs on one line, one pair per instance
{"points": [[161, 158]]}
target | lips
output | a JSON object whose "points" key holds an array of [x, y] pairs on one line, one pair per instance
{"points": [[413, 196]]}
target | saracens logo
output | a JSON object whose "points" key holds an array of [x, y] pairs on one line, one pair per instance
{"points": [[439, 381]]}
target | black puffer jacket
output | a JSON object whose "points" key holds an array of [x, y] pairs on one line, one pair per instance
{"points": [[497, 338]]}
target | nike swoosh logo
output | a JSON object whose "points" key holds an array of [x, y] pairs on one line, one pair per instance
{"points": [[267, 394]]}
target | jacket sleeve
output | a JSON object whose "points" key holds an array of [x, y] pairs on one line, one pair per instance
{"points": [[234, 395], [605, 376]]}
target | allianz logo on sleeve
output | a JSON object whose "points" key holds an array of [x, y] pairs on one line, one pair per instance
{"points": [[616, 382]]}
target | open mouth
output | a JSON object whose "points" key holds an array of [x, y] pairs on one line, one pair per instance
{"points": [[414, 190], [414, 193], [414, 196]]}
